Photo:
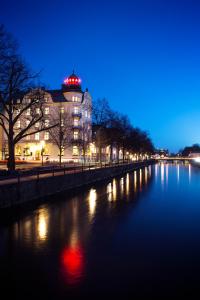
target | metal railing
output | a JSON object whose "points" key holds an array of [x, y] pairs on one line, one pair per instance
{"points": [[49, 171]]}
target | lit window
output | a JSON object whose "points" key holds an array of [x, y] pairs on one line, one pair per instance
{"points": [[76, 135], [37, 124], [86, 113], [75, 150], [45, 99], [27, 122], [37, 136], [62, 110], [46, 123], [76, 122], [46, 136], [18, 124], [37, 110], [75, 99], [76, 110], [18, 111], [46, 110], [28, 112]]}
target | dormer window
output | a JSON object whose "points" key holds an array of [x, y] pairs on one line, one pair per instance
{"points": [[75, 99]]}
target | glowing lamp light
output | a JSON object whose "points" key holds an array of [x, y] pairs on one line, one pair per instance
{"points": [[197, 159]]}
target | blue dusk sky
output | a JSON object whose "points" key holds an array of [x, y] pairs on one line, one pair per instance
{"points": [[142, 55]]}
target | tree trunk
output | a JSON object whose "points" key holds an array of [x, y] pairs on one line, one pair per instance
{"points": [[123, 153], [111, 153], [11, 159], [60, 157]]}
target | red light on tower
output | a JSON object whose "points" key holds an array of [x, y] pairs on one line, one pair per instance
{"points": [[72, 80]]}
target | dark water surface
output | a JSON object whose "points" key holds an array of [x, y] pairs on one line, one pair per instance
{"points": [[138, 235]]}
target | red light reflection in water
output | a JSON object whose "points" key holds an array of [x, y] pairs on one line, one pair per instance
{"points": [[73, 264]]}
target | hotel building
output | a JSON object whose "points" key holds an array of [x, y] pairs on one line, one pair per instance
{"points": [[70, 101]]}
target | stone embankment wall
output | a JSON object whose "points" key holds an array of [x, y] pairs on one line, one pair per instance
{"points": [[12, 195]]}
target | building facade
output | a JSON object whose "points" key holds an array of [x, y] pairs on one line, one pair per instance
{"points": [[71, 108]]}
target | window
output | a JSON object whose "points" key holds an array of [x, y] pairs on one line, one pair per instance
{"points": [[28, 100], [27, 122], [46, 136], [62, 110], [37, 124], [37, 136], [62, 123], [28, 112], [75, 99], [18, 101], [75, 150], [46, 110], [28, 137], [18, 111], [18, 124], [46, 99], [76, 122], [46, 123], [37, 110], [76, 135], [76, 110], [86, 114]]}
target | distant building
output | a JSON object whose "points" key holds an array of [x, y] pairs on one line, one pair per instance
{"points": [[70, 98]]}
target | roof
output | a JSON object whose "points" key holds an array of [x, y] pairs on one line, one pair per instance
{"points": [[57, 95]]}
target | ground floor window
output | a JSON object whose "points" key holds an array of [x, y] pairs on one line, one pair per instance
{"points": [[75, 150]]}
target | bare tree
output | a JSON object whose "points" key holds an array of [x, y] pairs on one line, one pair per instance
{"points": [[61, 135], [20, 102]]}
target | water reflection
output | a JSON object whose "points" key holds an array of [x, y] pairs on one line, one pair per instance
{"points": [[42, 225], [189, 172], [62, 229], [92, 202], [178, 172], [73, 263]]}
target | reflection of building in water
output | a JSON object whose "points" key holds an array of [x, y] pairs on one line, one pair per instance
{"points": [[92, 202], [162, 173], [109, 191], [114, 184], [72, 259], [122, 186], [42, 226], [156, 171], [146, 175], [135, 181], [167, 173], [140, 179], [178, 173], [127, 183], [189, 172]]}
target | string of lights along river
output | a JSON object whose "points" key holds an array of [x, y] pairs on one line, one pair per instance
{"points": [[138, 234]]}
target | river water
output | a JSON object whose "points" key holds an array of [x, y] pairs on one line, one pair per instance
{"points": [[138, 235]]}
